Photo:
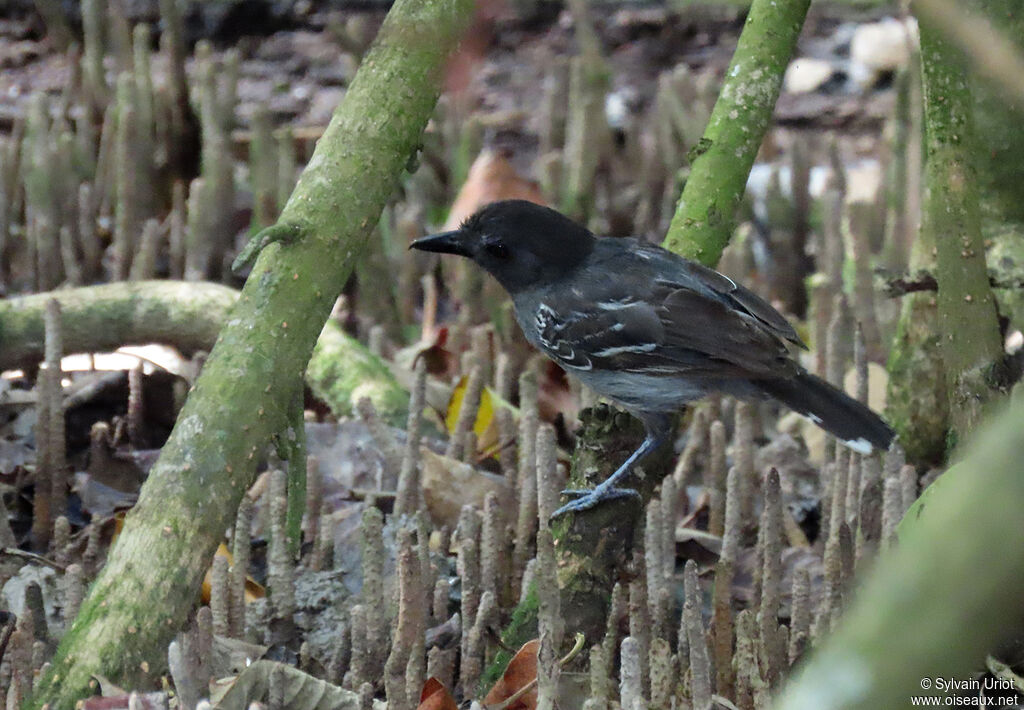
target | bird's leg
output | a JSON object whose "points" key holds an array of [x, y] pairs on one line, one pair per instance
{"points": [[606, 490]]}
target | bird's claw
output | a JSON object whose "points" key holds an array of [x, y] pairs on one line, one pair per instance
{"points": [[587, 499]]}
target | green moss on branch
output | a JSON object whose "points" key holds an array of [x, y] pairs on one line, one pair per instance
{"points": [[342, 371], [722, 159], [969, 325]]}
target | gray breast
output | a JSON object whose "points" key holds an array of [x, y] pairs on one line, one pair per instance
{"points": [[644, 393]]}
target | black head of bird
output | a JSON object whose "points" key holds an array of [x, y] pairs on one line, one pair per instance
{"points": [[520, 243]]}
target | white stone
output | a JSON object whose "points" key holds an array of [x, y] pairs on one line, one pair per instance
{"points": [[879, 47], [807, 74]]}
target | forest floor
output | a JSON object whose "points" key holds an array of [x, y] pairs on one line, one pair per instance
{"points": [[295, 61]]}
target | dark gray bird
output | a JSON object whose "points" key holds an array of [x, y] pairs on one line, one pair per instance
{"points": [[645, 328]]}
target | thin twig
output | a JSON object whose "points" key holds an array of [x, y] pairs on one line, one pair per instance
{"points": [[31, 557], [897, 285]]}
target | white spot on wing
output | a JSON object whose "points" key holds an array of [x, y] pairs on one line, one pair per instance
{"points": [[609, 352], [545, 314], [614, 305], [861, 446]]}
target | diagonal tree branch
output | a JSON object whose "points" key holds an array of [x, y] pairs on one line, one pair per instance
{"points": [[706, 213], [242, 399]]}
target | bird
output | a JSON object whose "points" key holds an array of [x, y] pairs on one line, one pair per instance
{"points": [[645, 328]]}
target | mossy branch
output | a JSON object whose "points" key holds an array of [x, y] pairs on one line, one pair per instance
{"points": [[938, 601], [916, 403], [244, 395], [188, 316], [971, 343], [594, 546], [721, 160]]}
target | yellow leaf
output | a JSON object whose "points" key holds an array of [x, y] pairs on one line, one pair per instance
{"points": [[253, 589], [485, 427]]}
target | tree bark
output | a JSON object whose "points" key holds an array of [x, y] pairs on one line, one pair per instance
{"points": [[186, 315], [706, 213], [917, 405], [243, 398]]}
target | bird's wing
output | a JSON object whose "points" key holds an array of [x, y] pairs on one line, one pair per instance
{"points": [[595, 335], [740, 342], [686, 274], [677, 334], [686, 320]]}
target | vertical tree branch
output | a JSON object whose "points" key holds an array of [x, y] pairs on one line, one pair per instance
{"points": [[592, 548], [968, 321]]}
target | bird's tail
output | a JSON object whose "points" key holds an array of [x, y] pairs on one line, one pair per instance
{"points": [[833, 410]]}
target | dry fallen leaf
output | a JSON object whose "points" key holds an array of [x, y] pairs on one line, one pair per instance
{"points": [[449, 484], [554, 397], [436, 697], [522, 670], [469, 57], [491, 178], [439, 361], [486, 425], [484, 413], [301, 691]]}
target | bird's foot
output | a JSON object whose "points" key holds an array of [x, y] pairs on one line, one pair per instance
{"points": [[587, 499]]}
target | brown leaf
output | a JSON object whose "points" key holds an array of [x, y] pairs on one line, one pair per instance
{"points": [[301, 690], [491, 178], [554, 396], [449, 484], [522, 669], [470, 55], [440, 362], [436, 697]]}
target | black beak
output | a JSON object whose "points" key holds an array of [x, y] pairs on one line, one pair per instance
{"points": [[443, 243]]}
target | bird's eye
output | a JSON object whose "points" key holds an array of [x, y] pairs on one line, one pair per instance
{"points": [[496, 249]]}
